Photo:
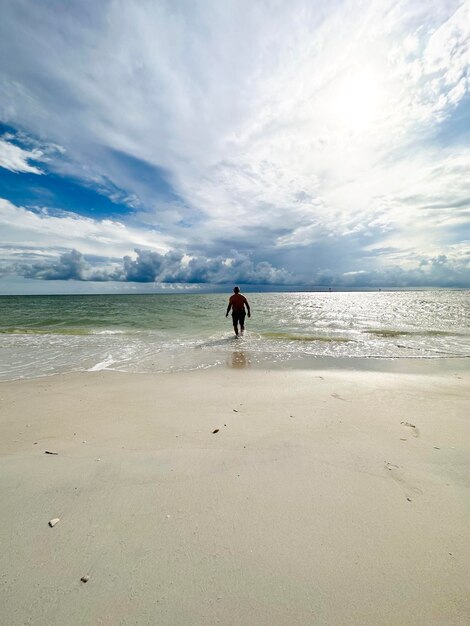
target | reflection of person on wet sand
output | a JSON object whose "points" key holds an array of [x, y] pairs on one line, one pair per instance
{"points": [[237, 303], [238, 360]]}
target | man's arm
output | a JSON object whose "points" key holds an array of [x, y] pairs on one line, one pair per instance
{"points": [[228, 308], [247, 307]]}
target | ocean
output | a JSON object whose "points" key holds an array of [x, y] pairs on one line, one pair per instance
{"points": [[43, 335]]}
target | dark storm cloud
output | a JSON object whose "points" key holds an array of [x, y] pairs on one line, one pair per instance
{"points": [[150, 266], [176, 268], [70, 266]]}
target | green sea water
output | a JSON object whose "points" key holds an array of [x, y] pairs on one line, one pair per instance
{"points": [[141, 333]]}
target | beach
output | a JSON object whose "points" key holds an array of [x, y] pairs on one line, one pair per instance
{"points": [[236, 496]]}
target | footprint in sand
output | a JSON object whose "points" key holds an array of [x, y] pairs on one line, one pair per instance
{"points": [[396, 474], [338, 397], [413, 427]]}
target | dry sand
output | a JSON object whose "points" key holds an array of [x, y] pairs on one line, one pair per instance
{"points": [[334, 497]]}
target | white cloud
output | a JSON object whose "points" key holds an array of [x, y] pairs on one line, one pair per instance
{"points": [[16, 159], [279, 128], [56, 232], [108, 251]]}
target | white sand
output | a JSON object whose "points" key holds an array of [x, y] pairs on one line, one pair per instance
{"points": [[315, 503]]}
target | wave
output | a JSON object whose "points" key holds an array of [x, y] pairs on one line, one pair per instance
{"points": [[306, 338], [440, 333], [45, 331], [385, 332], [59, 331], [102, 365], [388, 333]]}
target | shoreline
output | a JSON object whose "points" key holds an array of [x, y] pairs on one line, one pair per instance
{"points": [[242, 359], [326, 496]]}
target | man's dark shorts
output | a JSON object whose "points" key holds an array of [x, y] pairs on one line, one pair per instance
{"points": [[238, 317]]}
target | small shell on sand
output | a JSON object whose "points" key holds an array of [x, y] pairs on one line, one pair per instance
{"points": [[54, 521], [85, 578]]}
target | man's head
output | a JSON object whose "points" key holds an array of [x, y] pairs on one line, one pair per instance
{"points": [[236, 290]]}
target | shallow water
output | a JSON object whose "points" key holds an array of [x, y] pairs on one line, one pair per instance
{"points": [[42, 335]]}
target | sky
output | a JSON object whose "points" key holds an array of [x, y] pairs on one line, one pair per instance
{"points": [[151, 146]]}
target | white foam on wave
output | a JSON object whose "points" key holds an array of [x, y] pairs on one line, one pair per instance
{"points": [[102, 365]]}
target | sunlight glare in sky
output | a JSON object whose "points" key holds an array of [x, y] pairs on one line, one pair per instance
{"points": [[357, 101]]}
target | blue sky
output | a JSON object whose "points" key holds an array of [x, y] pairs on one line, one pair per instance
{"points": [[152, 146]]}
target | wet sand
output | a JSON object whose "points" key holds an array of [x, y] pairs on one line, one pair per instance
{"points": [[325, 497]]}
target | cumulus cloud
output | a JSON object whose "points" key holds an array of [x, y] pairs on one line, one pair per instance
{"points": [[70, 266], [426, 272], [152, 267], [40, 237], [179, 268], [175, 269]]}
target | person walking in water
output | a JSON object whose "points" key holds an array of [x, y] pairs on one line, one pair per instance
{"points": [[237, 303]]}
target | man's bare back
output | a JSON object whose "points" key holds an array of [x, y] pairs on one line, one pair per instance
{"points": [[237, 303]]}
